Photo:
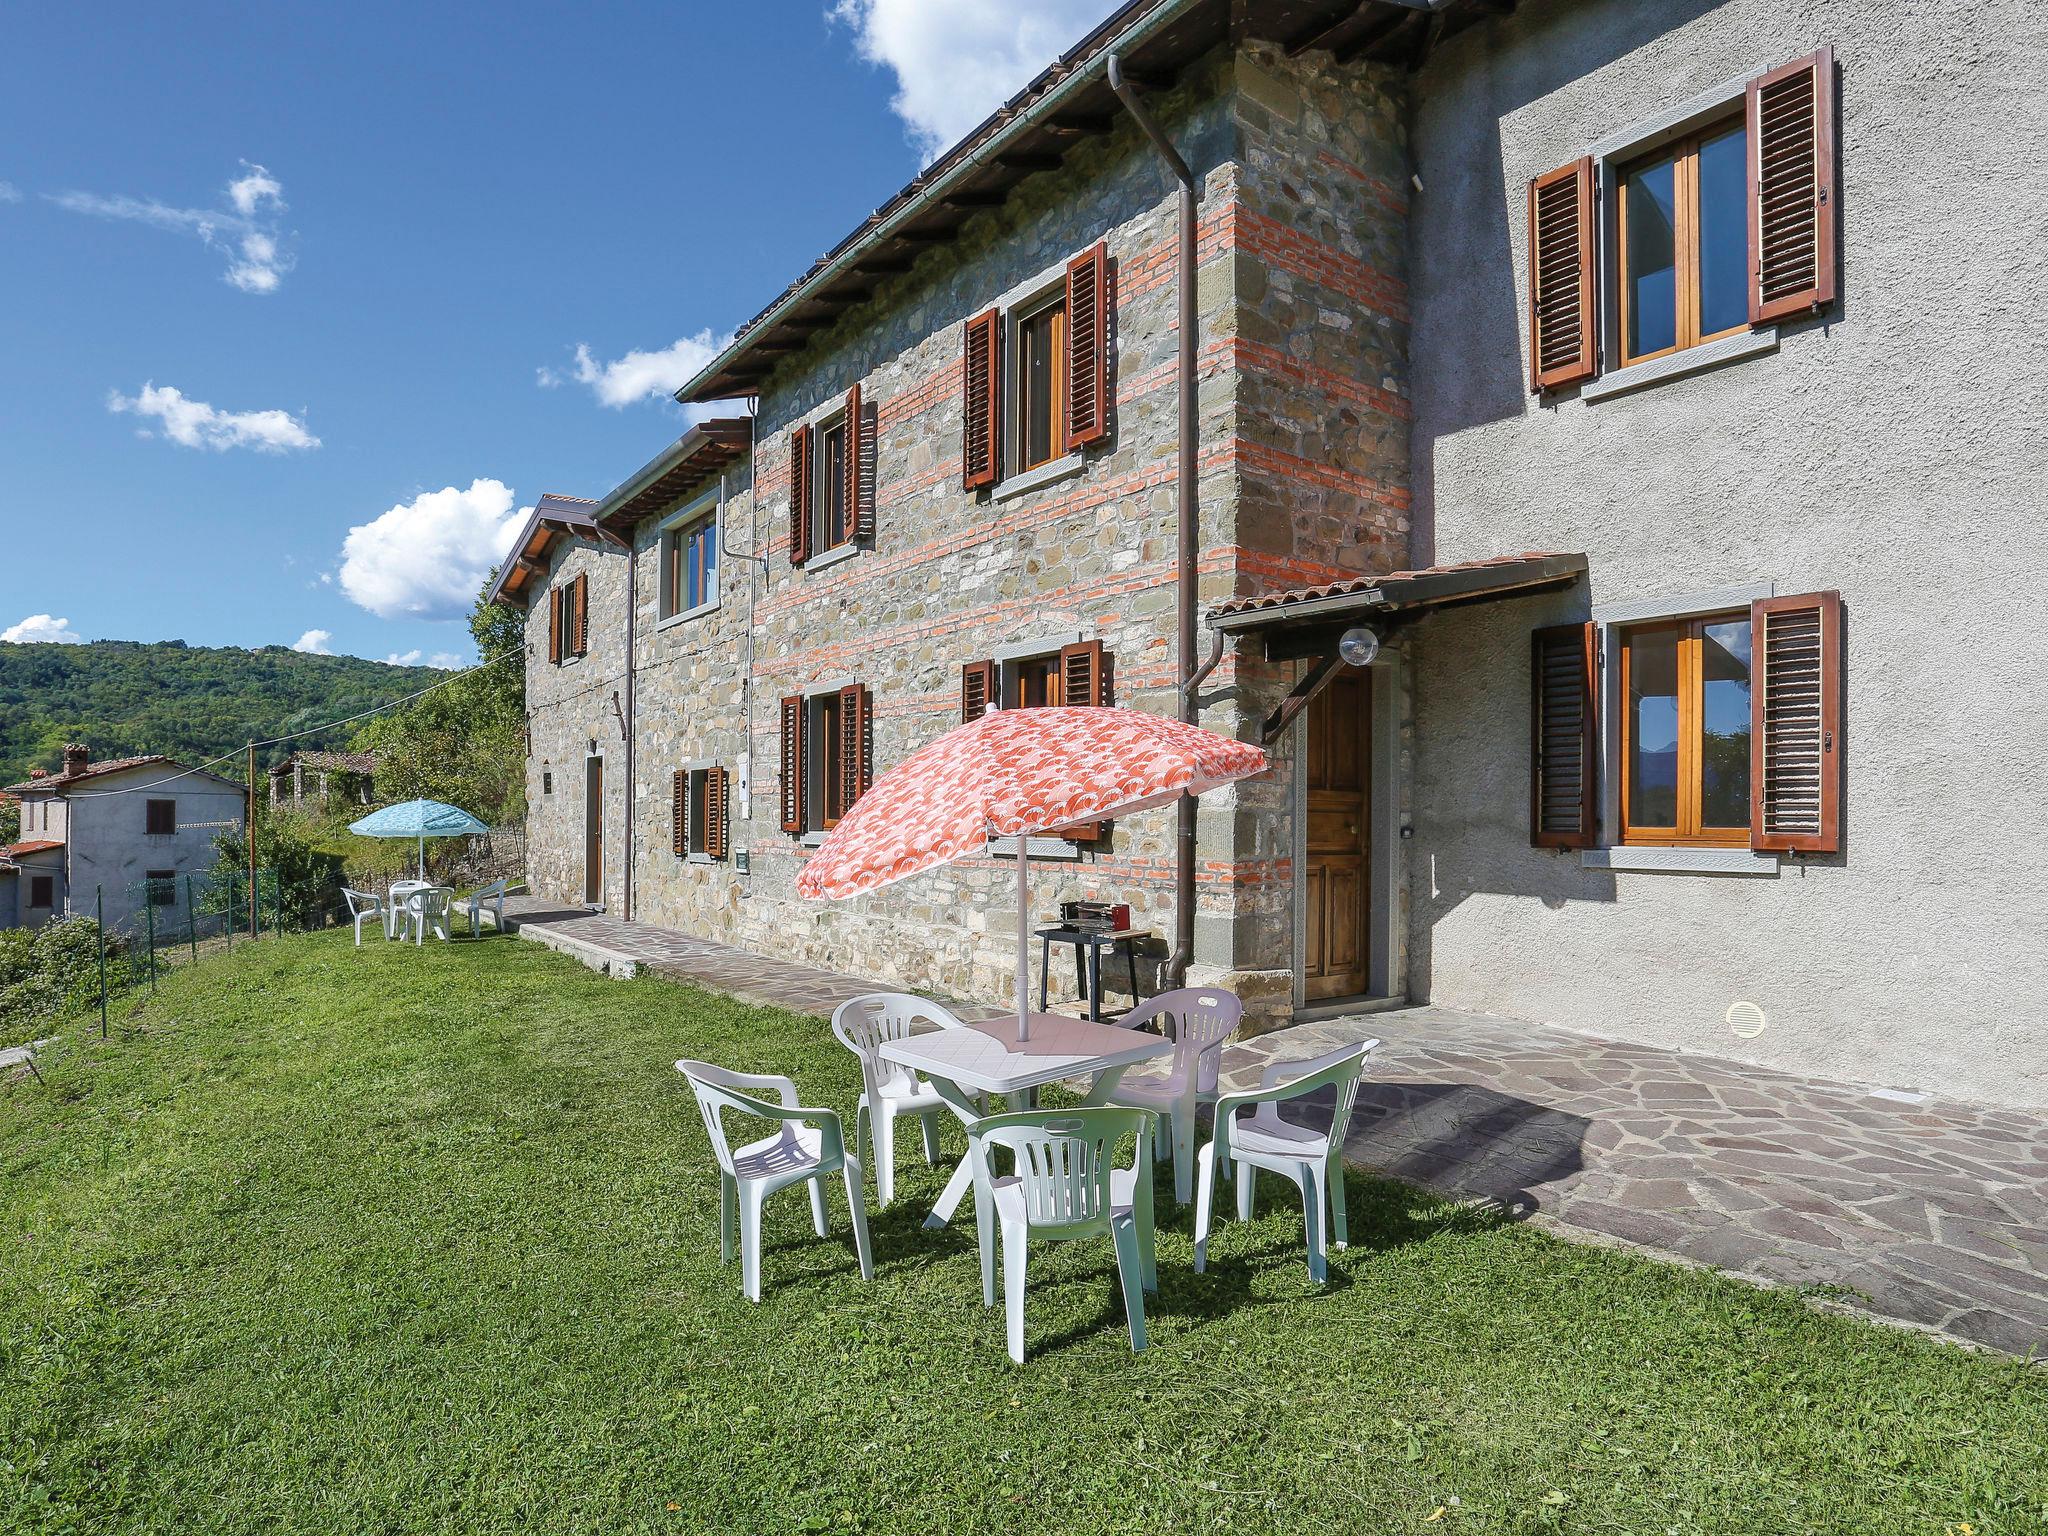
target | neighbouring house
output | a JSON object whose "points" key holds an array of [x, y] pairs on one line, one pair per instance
{"points": [[1616, 506], [111, 836], [318, 777]]}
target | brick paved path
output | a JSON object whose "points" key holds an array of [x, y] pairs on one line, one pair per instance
{"points": [[1934, 1214]]}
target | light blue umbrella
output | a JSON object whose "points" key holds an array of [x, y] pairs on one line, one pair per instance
{"points": [[421, 819]]}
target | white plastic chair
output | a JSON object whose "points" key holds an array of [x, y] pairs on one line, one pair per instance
{"points": [[1312, 1159], [364, 905], [1200, 1019], [889, 1091], [1064, 1188], [426, 909], [493, 896], [808, 1145]]}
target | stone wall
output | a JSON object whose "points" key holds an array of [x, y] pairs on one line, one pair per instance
{"points": [[570, 715], [1302, 444]]}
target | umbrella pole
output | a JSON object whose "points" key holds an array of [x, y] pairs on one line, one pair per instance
{"points": [[1023, 941], [423, 858]]}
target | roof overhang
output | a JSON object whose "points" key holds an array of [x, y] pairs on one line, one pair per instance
{"points": [[1306, 621], [553, 518], [1305, 624], [1065, 105], [682, 467]]}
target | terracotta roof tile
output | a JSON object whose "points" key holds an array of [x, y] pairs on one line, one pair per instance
{"points": [[34, 845], [92, 771], [1352, 585]]}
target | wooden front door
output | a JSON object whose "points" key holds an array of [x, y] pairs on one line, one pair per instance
{"points": [[593, 830], [1337, 775]]}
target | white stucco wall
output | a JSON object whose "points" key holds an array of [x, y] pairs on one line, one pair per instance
{"points": [[108, 848], [1894, 450]]}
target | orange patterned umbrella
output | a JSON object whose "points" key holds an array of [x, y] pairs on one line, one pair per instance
{"points": [[1011, 773]]}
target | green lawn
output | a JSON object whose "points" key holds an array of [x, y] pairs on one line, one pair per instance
{"points": [[408, 1240]]}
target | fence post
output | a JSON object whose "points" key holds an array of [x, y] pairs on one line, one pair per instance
{"points": [[191, 920], [149, 920], [99, 917]]}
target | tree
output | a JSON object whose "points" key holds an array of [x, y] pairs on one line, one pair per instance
{"points": [[10, 820], [465, 742]]}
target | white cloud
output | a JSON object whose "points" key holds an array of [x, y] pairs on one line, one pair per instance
{"points": [[315, 642], [441, 661], [41, 629], [246, 231], [641, 375], [9, 192], [251, 192], [956, 61], [198, 425], [426, 558]]}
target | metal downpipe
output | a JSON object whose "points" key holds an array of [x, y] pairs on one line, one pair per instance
{"points": [[1187, 512]]}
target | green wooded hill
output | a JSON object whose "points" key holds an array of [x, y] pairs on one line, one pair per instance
{"points": [[192, 702]]}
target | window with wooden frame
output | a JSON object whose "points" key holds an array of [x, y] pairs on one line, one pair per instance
{"points": [[701, 824], [1035, 375], [159, 818], [689, 566], [42, 890], [1682, 243], [832, 479], [1685, 723], [1069, 674], [826, 757], [1718, 221], [1727, 729], [162, 887], [569, 618]]}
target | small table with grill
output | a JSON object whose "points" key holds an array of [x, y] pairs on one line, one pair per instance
{"points": [[1089, 943]]}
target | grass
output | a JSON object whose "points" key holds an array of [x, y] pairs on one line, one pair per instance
{"points": [[426, 1240]]}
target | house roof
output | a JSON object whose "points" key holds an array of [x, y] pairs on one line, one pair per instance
{"points": [[554, 517], [92, 771], [63, 781], [34, 845], [1434, 586], [1069, 102], [687, 463]]}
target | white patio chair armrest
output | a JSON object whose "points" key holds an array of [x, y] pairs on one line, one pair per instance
{"points": [[1286, 1075]]}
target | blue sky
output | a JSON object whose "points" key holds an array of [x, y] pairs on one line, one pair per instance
{"points": [[295, 294]]}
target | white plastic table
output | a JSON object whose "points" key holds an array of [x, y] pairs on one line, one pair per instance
{"points": [[986, 1057]]}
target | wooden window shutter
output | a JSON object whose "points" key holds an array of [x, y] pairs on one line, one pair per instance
{"points": [[977, 689], [582, 628], [793, 763], [679, 805], [1563, 737], [1082, 681], [856, 740], [1795, 723], [982, 401], [715, 826], [1791, 118], [860, 511], [1564, 331], [554, 624], [800, 495], [1088, 347]]}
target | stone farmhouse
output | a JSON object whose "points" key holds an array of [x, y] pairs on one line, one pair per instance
{"points": [[1605, 479], [121, 832]]}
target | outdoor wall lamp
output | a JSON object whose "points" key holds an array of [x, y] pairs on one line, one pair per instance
{"points": [[1358, 647]]}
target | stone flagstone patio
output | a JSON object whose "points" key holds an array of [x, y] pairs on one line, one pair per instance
{"points": [[1933, 1214]]}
